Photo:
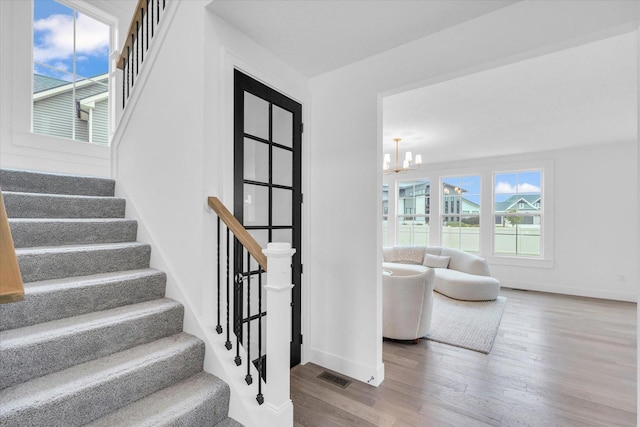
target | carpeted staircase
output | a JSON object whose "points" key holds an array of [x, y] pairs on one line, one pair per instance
{"points": [[94, 341]]}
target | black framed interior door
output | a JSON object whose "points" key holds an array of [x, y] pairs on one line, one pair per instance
{"points": [[268, 184]]}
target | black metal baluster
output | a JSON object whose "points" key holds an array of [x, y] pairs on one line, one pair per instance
{"points": [[137, 48], [124, 82], [128, 68], [142, 33], [164, 3], [218, 326], [259, 396], [237, 313], [152, 20], [158, 10], [248, 378], [133, 54], [228, 343], [147, 26]]}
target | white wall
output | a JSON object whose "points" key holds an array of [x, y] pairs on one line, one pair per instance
{"points": [[346, 153], [19, 148], [595, 231], [637, 222], [174, 148], [589, 200]]}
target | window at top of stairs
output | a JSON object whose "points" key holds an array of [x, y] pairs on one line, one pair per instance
{"points": [[70, 73]]}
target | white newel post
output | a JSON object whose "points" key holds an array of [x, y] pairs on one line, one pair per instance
{"points": [[277, 401]]}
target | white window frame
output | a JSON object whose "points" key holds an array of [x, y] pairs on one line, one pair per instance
{"points": [[485, 169], [84, 147], [545, 259]]}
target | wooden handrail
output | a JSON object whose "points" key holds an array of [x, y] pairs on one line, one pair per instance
{"points": [[141, 10], [11, 287], [239, 231]]}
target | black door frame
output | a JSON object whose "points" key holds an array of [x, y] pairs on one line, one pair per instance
{"points": [[244, 83]]}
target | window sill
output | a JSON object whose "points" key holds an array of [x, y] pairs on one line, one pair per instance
{"points": [[60, 145]]}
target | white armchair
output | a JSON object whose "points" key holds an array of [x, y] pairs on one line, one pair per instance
{"points": [[407, 301]]}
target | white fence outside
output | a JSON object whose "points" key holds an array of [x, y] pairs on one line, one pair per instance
{"points": [[508, 240]]}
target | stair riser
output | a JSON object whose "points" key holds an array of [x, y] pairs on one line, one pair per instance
{"points": [[47, 355], [28, 234], [94, 339], [210, 412], [61, 302], [23, 205], [54, 265], [34, 182], [204, 402], [90, 401]]}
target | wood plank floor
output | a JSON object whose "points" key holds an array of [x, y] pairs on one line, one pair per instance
{"points": [[557, 361]]}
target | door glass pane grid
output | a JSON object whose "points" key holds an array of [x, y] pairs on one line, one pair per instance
{"points": [[281, 165], [256, 116], [284, 235], [282, 152], [254, 296], [256, 161], [282, 121], [267, 162], [256, 198]]}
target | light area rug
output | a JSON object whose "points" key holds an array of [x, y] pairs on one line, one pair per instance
{"points": [[468, 324]]}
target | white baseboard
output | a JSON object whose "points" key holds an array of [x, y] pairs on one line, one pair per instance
{"points": [[569, 290]]}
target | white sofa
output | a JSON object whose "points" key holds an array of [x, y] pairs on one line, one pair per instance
{"points": [[407, 301], [458, 274]]}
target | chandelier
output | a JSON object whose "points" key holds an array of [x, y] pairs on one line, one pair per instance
{"points": [[407, 165]]}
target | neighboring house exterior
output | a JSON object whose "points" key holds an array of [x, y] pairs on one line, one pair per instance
{"points": [[521, 204], [414, 199], [56, 113]]}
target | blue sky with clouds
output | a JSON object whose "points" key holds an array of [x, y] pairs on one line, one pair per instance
{"points": [[53, 28], [506, 185]]}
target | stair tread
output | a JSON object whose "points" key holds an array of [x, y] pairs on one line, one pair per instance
{"points": [[58, 385], [55, 285], [43, 348], [229, 422], [163, 409], [61, 196], [49, 331], [94, 336], [53, 299], [78, 248], [56, 182], [34, 232], [70, 220], [52, 262], [43, 205]]}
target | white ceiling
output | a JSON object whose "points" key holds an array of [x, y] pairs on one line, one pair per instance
{"points": [[585, 95], [580, 96], [318, 36]]}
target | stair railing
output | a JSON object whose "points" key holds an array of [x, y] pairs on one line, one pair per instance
{"points": [[253, 262], [11, 287], [144, 26]]}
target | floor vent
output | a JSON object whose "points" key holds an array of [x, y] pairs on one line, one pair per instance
{"points": [[334, 379]]}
